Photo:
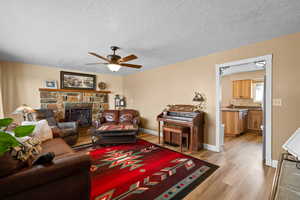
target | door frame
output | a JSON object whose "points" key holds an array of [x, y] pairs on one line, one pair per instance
{"points": [[268, 106]]}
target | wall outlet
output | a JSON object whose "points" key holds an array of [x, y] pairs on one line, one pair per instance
{"points": [[277, 102]]}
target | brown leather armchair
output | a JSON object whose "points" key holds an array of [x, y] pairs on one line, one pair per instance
{"points": [[66, 130], [118, 117], [68, 177]]}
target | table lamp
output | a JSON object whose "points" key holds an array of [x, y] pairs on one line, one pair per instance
{"points": [[199, 98], [26, 111]]}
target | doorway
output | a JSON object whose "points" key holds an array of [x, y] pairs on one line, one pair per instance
{"points": [[248, 65]]}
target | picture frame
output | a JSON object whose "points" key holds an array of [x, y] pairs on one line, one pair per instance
{"points": [[79, 81], [50, 84]]}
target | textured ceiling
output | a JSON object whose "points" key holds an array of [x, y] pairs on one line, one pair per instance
{"points": [[60, 32]]}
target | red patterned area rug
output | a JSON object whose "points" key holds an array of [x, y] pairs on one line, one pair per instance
{"points": [[144, 171]]}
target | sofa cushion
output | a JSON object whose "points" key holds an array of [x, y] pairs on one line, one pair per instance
{"points": [[127, 115], [111, 115], [109, 123], [58, 146], [126, 123]]}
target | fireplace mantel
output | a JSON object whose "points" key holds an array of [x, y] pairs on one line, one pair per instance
{"points": [[73, 90]]}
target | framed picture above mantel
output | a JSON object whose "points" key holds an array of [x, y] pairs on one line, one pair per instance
{"points": [[78, 81]]}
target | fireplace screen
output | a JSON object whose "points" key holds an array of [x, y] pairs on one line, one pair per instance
{"points": [[81, 115]]}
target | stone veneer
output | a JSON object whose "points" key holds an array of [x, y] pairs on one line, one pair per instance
{"points": [[60, 100]]}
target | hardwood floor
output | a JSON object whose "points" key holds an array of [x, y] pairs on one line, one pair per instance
{"points": [[84, 137], [241, 175]]}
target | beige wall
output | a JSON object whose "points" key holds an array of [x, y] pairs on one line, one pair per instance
{"points": [[226, 84], [150, 91], [21, 83], [1, 103]]}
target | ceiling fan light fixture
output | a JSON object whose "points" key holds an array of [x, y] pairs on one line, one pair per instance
{"points": [[114, 67]]}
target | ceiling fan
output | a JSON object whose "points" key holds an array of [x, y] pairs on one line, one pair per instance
{"points": [[114, 62]]}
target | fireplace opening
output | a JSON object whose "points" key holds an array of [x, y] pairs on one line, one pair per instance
{"points": [[83, 116]]}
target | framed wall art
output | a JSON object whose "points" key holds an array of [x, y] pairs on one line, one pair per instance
{"points": [[51, 84], [72, 80]]}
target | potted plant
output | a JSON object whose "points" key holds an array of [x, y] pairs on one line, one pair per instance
{"points": [[7, 142]]}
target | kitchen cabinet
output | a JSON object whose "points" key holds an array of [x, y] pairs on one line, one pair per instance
{"points": [[255, 120], [242, 89], [235, 121]]}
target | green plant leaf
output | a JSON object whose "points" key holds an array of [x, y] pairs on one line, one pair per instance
{"points": [[5, 122], [22, 131], [7, 142]]}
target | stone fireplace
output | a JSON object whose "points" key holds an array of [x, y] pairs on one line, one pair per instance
{"points": [[74, 105]]}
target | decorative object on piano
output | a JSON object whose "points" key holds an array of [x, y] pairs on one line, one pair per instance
{"points": [[184, 116], [72, 80], [102, 86], [201, 99], [52, 84]]}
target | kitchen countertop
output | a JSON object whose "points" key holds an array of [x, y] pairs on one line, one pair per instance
{"points": [[245, 107], [234, 109]]}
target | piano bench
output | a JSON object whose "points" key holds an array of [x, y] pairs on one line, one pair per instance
{"points": [[182, 132]]}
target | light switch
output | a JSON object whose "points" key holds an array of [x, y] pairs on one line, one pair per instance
{"points": [[277, 102]]}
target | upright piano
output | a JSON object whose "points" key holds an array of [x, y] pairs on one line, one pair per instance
{"points": [[185, 116]]}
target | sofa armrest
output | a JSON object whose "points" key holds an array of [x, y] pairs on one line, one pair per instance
{"points": [[136, 121], [97, 123], [39, 175], [64, 125]]}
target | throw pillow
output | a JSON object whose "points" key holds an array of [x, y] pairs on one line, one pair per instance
{"points": [[126, 117], [42, 130]]}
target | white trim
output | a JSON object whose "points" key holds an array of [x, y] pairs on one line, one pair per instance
{"points": [[274, 163], [268, 111], [210, 147]]}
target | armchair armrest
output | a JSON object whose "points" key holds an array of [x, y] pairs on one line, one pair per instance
{"points": [[136, 121], [70, 165]]}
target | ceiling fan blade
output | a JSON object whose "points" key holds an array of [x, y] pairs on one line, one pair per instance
{"points": [[96, 63], [94, 54], [131, 65], [128, 58]]}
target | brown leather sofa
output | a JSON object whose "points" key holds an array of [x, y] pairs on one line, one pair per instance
{"points": [[67, 177], [126, 116]]}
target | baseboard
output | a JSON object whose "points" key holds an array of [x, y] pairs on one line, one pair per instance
{"points": [[211, 147], [274, 163], [149, 131]]}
